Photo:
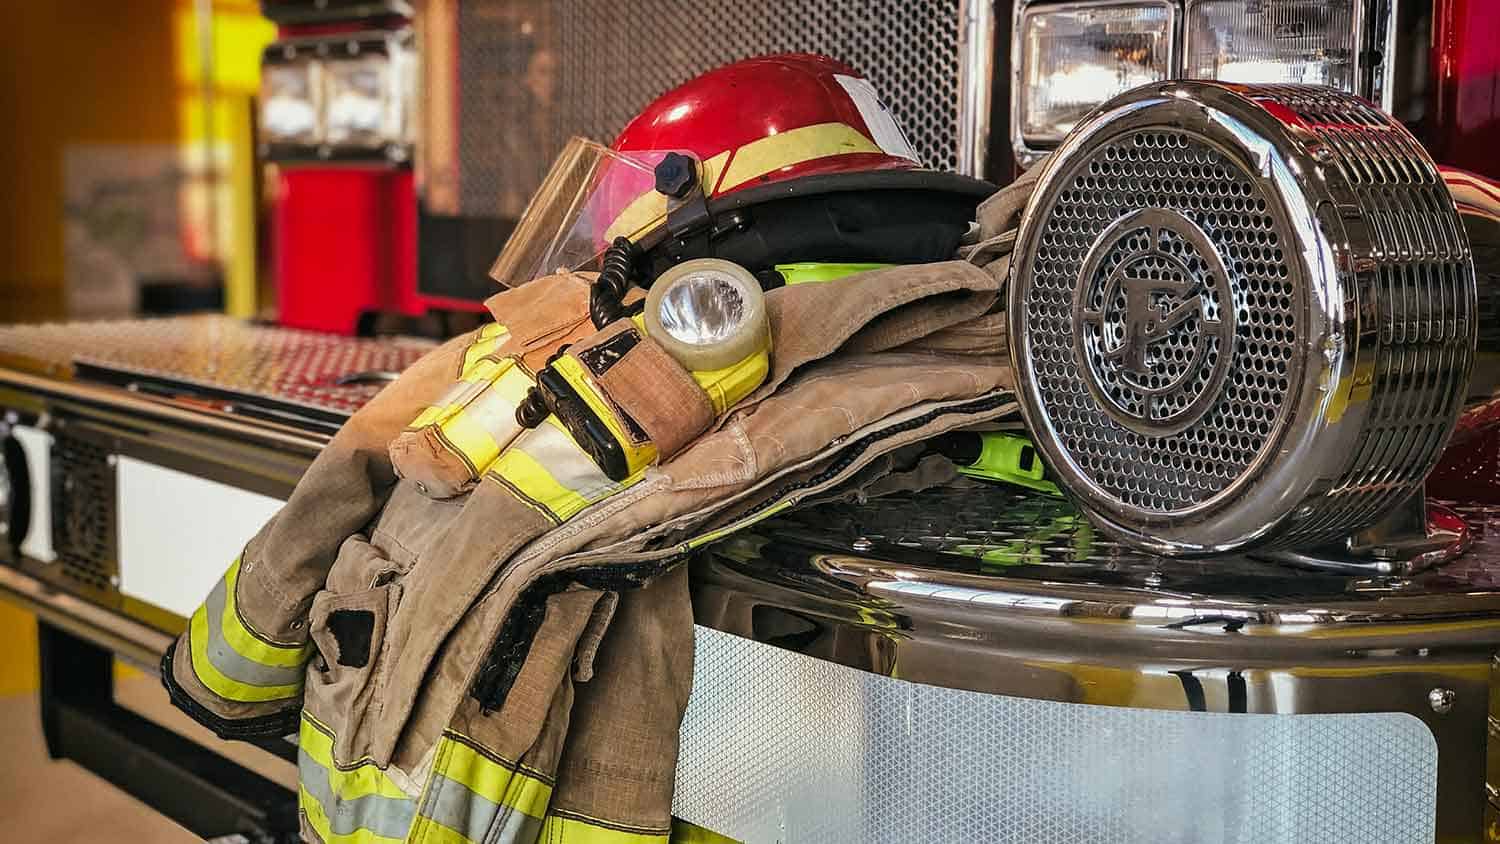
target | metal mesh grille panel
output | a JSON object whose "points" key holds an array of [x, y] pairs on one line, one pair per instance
{"points": [[533, 74], [83, 511], [1178, 171]]}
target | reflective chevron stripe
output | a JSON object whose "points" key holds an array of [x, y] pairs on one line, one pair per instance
{"points": [[233, 661], [475, 796], [577, 830], [357, 805], [549, 470], [476, 418]]}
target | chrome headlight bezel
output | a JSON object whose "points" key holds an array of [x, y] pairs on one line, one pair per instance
{"points": [[1374, 35], [1030, 150]]}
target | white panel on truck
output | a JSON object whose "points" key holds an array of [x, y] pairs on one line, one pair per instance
{"points": [[179, 532]]}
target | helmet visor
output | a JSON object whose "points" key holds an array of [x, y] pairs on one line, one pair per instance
{"points": [[592, 195]]}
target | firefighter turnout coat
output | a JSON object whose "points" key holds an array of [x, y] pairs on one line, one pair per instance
{"points": [[502, 652]]}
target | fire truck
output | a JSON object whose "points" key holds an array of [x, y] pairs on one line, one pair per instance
{"points": [[987, 662]]}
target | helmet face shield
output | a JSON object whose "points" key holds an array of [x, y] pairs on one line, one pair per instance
{"points": [[592, 195]]}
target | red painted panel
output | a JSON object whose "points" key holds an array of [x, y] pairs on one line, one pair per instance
{"points": [[1465, 116], [343, 244]]}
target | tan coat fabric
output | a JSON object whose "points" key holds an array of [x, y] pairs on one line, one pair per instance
{"points": [[483, 630]]}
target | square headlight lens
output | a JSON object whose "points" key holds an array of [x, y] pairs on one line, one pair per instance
{"points": [[363, 98], [1075, 56], [289, 94], [1306, 41]]}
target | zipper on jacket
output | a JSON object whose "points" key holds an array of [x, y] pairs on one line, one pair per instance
{"points": [[493, 682]]}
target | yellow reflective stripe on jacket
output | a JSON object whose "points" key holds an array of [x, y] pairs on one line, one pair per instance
{"points": [[486, 423], [475, 796], [573, 829], [689, 833], [548, 468], [356, 805], [476, 418], [476, 357], [490, 338], [235, 663]]}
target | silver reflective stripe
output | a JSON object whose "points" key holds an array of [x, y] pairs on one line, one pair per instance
{"points": [[567, 463], [232, 663], [454, 805], [496, 415], [454, 395], [388, 817]]}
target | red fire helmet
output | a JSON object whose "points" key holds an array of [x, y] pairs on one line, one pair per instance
{"points": [[770, 160], [772, 119]]}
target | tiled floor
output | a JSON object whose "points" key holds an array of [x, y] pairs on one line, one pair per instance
{"points": [[61, 803]]}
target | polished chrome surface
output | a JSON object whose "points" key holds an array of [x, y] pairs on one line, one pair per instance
{"points": [[222, 357], [1289, 322], [987, 589]]}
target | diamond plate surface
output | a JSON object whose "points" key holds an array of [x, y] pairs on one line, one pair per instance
{"points": [[297, 368], [781, 747]]}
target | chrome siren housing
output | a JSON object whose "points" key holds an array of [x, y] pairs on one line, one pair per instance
{"points": [[1242, 316]]}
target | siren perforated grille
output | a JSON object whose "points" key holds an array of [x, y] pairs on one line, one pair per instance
{"points": [[1237, 381], [1246, 315]]}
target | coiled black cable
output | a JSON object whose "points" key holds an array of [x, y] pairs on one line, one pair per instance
{"points": [[606, 304], [607, 297]]}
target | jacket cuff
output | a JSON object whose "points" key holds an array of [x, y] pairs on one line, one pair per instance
{"points": [[272, 724]]}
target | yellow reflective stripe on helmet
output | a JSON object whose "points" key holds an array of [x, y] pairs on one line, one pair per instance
{"points": [[547, 467], [751, 161], [577, 830], [474, 795], [232, 661], [794, 146], [647, 211]]}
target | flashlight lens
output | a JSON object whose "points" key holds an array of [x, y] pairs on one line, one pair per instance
{"points": [[702, 309]]}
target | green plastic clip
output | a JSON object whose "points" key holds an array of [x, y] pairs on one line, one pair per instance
{"points": [[1010, 459]]}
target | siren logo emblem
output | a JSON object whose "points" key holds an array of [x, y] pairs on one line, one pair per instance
{"points": [[1150, 316], [1153, 321]]}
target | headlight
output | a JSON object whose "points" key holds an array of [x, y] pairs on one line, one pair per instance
{"points": [[362, 104], [708, 313], [1072, 57], [289, 102], [1305, 41], [344, 96]]}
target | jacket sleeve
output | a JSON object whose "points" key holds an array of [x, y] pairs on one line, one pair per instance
{"points": [[239, 667]]}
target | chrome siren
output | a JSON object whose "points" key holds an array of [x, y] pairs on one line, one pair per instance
{"points": [[1242, 316]]}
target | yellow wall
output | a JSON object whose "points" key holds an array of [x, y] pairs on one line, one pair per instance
{"points": [[117, 72]]}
